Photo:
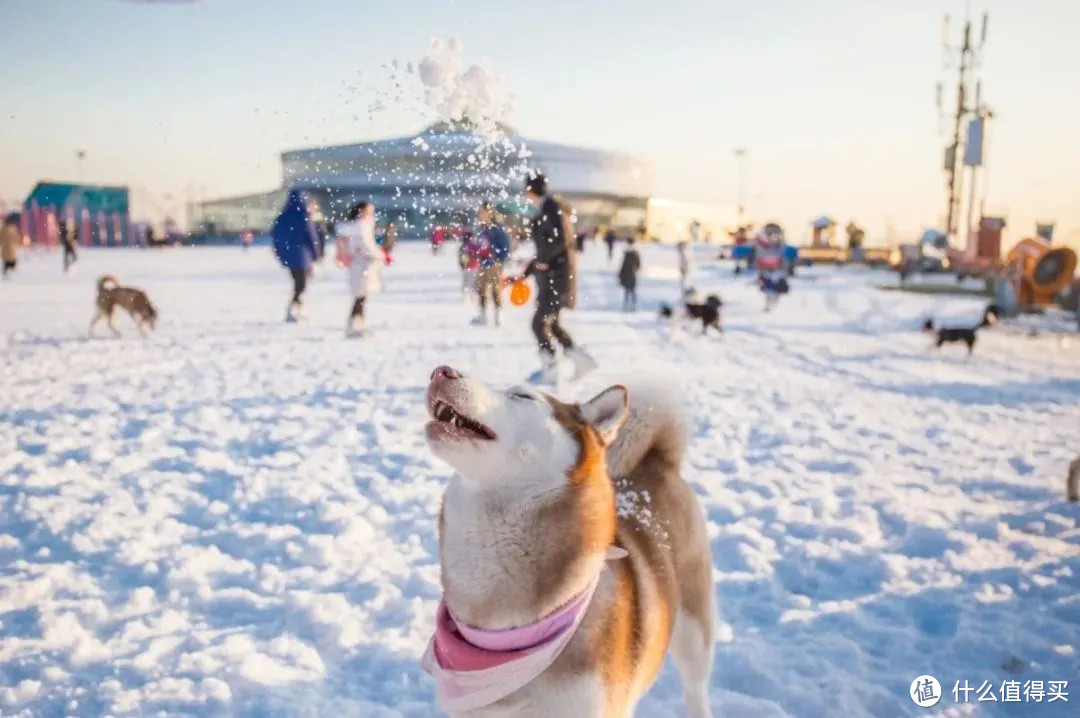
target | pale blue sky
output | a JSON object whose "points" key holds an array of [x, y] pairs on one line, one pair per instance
{"points": [[832, 98]]}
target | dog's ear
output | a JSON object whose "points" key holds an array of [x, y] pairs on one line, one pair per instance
{"points": [[607, 411]]}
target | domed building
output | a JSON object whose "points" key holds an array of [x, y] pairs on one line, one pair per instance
{"points": [[440, 176]]}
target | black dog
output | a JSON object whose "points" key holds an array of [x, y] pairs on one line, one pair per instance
{"points": [[708, 313], [967, 335]]}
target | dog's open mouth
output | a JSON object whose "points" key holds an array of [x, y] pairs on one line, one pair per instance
{"points": [[448, 421]]}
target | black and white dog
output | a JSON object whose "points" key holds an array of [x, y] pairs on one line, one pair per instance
{"points": [[966, 335], [707, 312]]}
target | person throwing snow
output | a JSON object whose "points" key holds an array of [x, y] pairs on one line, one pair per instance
{"points": [[360, 255], [552, 232]]}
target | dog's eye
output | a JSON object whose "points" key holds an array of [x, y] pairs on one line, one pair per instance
{"points": [[521, 395]]}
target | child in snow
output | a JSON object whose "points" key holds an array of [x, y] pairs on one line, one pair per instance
{"points": [[358, 252], [769, 258], [493, 249], [631, 265]]}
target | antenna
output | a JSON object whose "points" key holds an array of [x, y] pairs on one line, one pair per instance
{"points": [[968, 56]]}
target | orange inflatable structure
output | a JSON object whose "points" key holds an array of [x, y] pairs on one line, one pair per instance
{"points": [[1039, 271]]}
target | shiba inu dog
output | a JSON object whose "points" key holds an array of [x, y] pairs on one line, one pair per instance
{"points": [[573, 553]]}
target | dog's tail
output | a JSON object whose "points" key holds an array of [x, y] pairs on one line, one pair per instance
{"points": [[106, 279], [654, 431]]}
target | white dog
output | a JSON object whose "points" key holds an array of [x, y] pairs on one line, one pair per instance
{"points": [[572, 553]]}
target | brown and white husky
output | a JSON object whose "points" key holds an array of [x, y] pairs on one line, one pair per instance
{"points": [[555, 505]]}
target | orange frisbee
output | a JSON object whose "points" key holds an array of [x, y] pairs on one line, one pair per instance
{"points": [[519, 293]]}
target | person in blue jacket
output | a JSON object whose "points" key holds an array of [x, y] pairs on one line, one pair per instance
{"points": [[297, 246]]}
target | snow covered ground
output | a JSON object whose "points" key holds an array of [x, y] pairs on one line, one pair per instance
{"points": [[236, 516]]}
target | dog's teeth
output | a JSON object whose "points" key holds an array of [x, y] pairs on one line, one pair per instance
{"points": [[443, 412]]}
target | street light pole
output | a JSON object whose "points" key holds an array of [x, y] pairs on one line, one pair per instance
{"points": [[80, 155]]}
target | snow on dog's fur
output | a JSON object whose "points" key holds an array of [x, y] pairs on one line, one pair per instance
{"points": [[543, 490]]}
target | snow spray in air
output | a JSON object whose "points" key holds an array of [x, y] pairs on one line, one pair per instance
{"points": [[468, 148]]}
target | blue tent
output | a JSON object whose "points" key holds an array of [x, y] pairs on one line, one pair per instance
{"points": [[93, 198]]}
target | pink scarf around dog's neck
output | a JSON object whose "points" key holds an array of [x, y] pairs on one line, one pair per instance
{"points": [[474, 667]]}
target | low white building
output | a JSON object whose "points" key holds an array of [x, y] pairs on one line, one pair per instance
{"points": [[233, 215]]}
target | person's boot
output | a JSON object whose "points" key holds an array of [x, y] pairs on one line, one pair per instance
{"points": [[582, 361], [548, 373], [480, 319], [355, 326], [292, 314], [497, 317]]}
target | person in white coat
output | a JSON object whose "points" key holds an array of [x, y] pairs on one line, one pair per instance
{"points": [[358, 252]]}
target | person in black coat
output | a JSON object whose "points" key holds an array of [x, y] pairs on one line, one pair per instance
{"points": [[554, 266], [631, 265], [68, 241]]}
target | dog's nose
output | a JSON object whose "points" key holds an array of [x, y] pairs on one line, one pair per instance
{"points": [[445, 372]]}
